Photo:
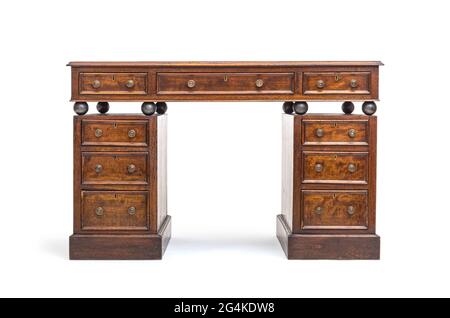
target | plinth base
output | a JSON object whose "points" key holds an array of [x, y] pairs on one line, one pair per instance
{"points": [[120, 247], [326, 246]]}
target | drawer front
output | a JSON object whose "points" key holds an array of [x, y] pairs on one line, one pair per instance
{"points": [[225, 83], [337, 132], [334, 209], [113, 83], [114, 133], [336, 83], [335, 167], [114, 168], [114, 210]]}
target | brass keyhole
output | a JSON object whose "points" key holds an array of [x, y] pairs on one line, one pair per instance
{"points": [[337, 78], [115, 125], [225, 78]]}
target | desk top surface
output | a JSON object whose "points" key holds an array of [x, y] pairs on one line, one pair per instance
{"points": [[227, 63]]}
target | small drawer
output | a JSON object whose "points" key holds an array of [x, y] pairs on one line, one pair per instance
{"points": [[114, 168], [114, 133], [336, 83], [113, 83], [335, 132], [335, 167], [114, 210], [225, 83], [334, 210]]}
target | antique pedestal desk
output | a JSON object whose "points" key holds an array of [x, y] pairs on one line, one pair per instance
{"points": [[329, 160]]}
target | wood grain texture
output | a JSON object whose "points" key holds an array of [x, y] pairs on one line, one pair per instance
{"points": [[335, 132], [117, 234], [336, 83], [166, 81], [327, 246], [114, 168], [114, 133], [115, 207], [330, 209], [335, 167], [225, 83]]}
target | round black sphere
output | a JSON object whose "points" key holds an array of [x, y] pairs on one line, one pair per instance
{"points": [[161, 107], [102, 107], [288, 107], [148, 108], [348, 107], [369, 108], [80, 108], [300, 108]]}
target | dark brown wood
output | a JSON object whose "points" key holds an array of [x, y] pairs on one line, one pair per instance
{"points": [[329, 205], [121, 247], [323, 246], [119, 187], [224, 81]]}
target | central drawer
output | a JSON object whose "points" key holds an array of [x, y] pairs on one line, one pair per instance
{"points": [[114, 210], [224, 83], [114, 168], [335, 167]]}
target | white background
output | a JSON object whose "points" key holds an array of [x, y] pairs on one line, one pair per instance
{"points": [[224, 158]]}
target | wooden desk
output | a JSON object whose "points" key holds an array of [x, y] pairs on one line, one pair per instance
{"points": [[329, 161]]}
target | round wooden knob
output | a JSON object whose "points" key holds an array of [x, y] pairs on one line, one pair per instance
{"points": [[130, 84], [351, 210], [300, 108], [259, 83], [320, 84], [353, 83], [102, 107], [131, 210], [131, 133], [369, 108], [98, 168], [351, 167], [98, 133], [318, 210], [318, 167], [99, 211], [131, 168], [96, 84], [191, 83], [352, 133], [319, 132], [148, 108]]}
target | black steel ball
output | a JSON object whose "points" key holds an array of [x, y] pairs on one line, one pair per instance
{"points": [[102, 107], [288, 107], [369, 108], [161, 107], [80, 108], [148, 108], [348, 107], [300, 108]]}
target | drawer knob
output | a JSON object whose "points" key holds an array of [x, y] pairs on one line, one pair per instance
{"points": [[191, 83], [98, 133], [318, 210], [318, 167], [130, 84], [131, 168], [131, 133], [98, 168], [320, 84], [353, 83], [96, 84], [131, 210], [319, 132], [259, 83], [351, 167], [99, 211], [351, 210], [352, 133]]}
